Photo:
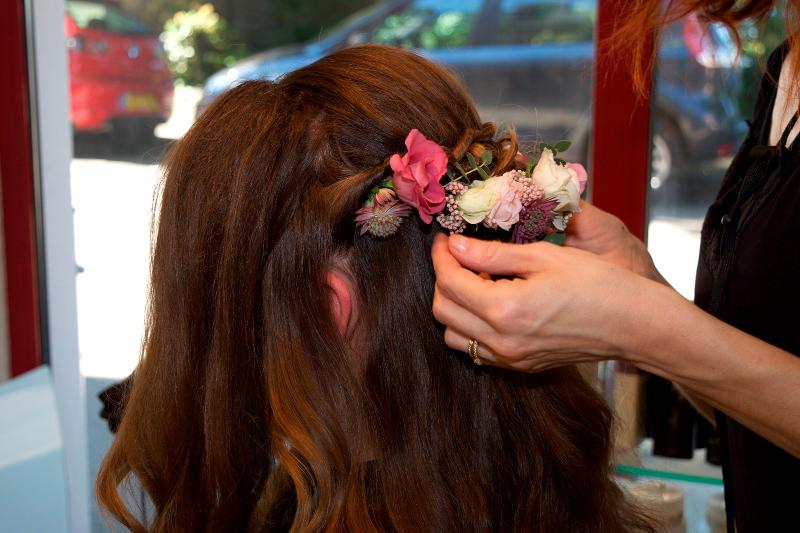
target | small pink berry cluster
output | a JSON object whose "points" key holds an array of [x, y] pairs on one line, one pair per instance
{"points": [[529, 192], [451, 218]]}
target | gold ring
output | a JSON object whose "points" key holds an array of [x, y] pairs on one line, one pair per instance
{"points": [[472, 349]]}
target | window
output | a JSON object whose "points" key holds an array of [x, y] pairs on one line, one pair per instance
{"points": [[537, 22], [91, 15], [430, 24]]}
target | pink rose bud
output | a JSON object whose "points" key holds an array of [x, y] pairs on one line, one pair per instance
{"points": [[583, 176]]}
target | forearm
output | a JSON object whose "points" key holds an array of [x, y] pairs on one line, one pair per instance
{"points": [[748, 379], [700, 405]]}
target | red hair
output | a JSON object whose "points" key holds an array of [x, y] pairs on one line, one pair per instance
{"points": [[645, 16]]}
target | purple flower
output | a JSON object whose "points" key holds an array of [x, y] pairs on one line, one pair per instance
{"points": [[533, 222]]}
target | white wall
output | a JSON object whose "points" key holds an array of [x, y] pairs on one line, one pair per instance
{"points": [[55, 152]]}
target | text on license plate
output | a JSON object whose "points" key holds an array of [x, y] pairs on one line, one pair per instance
{"points": [[138, 102]]}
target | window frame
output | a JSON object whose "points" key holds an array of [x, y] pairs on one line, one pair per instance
{"points": [[620, 184]]}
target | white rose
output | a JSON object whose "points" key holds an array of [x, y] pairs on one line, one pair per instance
{"points": [[477, 202], [558, 182]]}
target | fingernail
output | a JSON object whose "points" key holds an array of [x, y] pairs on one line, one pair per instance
{"points": [[458, 243]]}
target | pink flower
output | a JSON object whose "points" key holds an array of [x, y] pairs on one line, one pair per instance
{"points": [[505, 213], [583, 176], [417, 174], [385, 196]]}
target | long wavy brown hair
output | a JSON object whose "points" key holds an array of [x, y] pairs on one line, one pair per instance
{"points": [[251, 412], [644, 16]]}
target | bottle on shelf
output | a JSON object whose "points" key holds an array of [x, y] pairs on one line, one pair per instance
{"points": [[670, 419]]}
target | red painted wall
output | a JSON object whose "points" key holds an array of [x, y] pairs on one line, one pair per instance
{"points": [[621, 129], [16, 179]]}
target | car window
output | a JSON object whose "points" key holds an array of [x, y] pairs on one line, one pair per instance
{"points": [[430, 24], [104, 17], [350, 23], [543, 22]]}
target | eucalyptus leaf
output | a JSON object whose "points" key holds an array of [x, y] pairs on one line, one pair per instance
{"points": [[451, 174], [460, 169], [472, 162], [486, 156], [557, 238], [483, 173], [562, 145]]}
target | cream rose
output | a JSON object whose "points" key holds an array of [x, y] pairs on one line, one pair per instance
{"points": [[477, 202], [558, 182]]}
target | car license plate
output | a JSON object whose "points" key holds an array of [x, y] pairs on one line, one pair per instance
{"points": [[139, 102]]}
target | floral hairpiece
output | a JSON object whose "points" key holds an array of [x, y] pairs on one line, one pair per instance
{"points": [[534, 204]]}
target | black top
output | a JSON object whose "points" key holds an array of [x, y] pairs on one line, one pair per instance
{"points": [[749, 276]]}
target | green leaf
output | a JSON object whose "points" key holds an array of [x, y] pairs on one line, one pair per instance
{"points": [[557, 238], [483, 173], [451, 174], [460, 169], [472, 162], [529, 168], [486, 156], [562, 146], [542, 146]]}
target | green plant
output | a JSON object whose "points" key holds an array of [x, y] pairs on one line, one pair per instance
{"points": [[197, 43], [758, 41]]}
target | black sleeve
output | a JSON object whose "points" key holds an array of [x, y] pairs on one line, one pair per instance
{"points": [[114, 399]]}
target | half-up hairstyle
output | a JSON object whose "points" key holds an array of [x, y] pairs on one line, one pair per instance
{"points": [[251, 412]]}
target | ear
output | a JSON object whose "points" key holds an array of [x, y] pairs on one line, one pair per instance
{"points": [[341, 301]]}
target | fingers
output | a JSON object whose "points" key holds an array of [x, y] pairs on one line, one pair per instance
{"points": [[499, 258], [454, 316], [467, 288], [462, 326], [458, 341]]}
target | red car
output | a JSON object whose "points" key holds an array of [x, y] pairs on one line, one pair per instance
{"points": [[119, 78]]}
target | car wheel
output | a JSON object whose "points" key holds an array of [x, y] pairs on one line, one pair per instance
{"points": [[666, 156]]}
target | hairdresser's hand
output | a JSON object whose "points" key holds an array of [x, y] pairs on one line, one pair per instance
{"points": [[601, 233], [563, 305]]}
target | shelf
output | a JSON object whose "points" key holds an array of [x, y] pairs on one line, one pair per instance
{"points": [[642, 463]]}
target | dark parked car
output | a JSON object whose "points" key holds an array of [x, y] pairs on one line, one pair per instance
{"points": [[529, 63]]}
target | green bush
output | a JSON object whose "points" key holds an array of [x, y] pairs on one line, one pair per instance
{"points": [[758, 41], [198, 43], [201, 39]]}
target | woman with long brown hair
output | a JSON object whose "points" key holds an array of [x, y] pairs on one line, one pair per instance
{"points": [[293, 375], [734, 353]]}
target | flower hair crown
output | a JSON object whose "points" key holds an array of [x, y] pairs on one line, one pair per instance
{"points": [[534, 204]]}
